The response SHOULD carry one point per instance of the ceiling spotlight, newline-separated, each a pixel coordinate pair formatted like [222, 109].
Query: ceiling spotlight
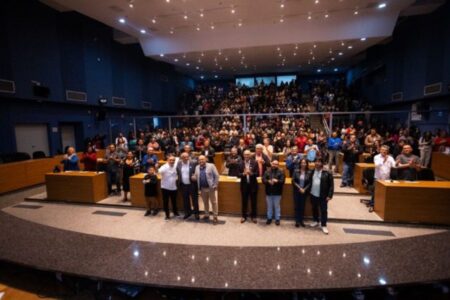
[240, 24]
[331, 51]
[282, 5]
[342, 44]
[168, 1]
[341, 53]
[226, 58]
[296, 47]
[153, 20]
[239, 51]
[309, 17]
[350, 47]
[332, 58]
[233, 11]
[215, 76]
[281, 20]
[316, 2]
[162, 55]
[143, 31]
[197, 67]
[175, 60]
[381, 5]
[278, 48]
[315, 46]
[131, 5]
[355, 12]
[185, 17]
[188, 64]
[319, 70]
[171, 31]
[363, 39]
[201, 14]
[326, 16]
[335, 69]
[212, 27]
[122, 20]
[295, 53]
[201, 77]
[198, 28]
[203, 54]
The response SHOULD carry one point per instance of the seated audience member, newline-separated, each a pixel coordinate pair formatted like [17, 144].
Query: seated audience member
[151, 192]
[407, 164]
[70, 160]
[273, 180]
[89, 159]
[233, 162]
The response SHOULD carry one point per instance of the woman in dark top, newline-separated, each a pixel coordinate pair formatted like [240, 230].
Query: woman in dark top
[300, 185]
[151, 191]
[129, 166]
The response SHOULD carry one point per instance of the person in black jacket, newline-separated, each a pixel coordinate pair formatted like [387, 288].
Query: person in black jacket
[301, 185]
[274, 180]
[151, 191]
[233, 163]
[248, 172]
[351, 150]
[189, 189]
[322, 188]
[208, 151]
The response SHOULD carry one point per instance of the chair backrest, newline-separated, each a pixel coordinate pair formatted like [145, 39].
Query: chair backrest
[426, 175]
[38, 154]
[368, 177]
[20, 156]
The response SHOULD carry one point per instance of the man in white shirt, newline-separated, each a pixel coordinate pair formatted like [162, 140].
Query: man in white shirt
[169, 178]
[383, 164]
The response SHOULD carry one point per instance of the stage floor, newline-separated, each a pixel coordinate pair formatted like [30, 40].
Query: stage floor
[120, 244]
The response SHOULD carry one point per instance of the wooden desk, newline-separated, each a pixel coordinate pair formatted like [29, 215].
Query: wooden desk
[440, 164]
[88, 187]
[362, 157]
[219, 160]
[358, 176]
[417, 202]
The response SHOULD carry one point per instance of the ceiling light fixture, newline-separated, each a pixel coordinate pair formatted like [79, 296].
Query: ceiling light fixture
[326, 16]
[143, 31]
[175, 60]
[355, 12]
[212, 27]
[381, 5]
[316, 2]
[341, 53]
[350, 47]
[185, 17]
[282, 5]
[122, 20]
[309, 17]
[162, 55]
[363, 39]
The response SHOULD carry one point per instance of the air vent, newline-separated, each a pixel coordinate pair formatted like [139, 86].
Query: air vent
[146, 105]
[76, 96]
[397, 96]
[7, 86]
[432, 89]
[118, 101]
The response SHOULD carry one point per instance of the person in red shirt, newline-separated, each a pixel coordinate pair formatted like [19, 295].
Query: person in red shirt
[89, 158]
[441, 142]
[301, 141]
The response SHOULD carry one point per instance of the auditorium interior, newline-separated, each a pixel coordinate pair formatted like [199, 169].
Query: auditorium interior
[225, 149]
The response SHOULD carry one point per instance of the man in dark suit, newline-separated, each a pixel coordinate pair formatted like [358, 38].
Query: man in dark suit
[248, 172]
[189, 189]
[233, 163]
[208, 151]
[322, 188]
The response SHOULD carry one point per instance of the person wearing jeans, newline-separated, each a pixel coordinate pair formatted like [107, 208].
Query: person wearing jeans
[322, 188]
[351, 151]
[169, 178]
[273, 179]
[334, 145]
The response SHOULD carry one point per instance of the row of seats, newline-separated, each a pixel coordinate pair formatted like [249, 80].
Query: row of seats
[20, 156]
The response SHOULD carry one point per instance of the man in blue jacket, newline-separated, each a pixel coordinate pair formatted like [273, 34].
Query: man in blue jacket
[334, 145]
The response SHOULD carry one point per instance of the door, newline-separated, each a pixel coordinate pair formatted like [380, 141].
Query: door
[67, 135]
[31, 138]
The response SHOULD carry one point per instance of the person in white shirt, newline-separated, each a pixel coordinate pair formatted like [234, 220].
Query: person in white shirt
[383, 164]
[169, 178]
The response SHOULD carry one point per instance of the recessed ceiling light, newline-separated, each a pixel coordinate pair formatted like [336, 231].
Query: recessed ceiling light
[171, 31]
[282, 5]
[281, 20]
[226, 58]
[363, 39]
[315, 46]
[162, 55]
[341, 53]
[215, 76]
[203, 54]
[326, 16]
[153, 20]
[335, 69]
[201, 15]
[240, 24]
[350, 47]
[295, 53]
[188, 64]
[342, 44]
[355, 12]
[198, 28]
[319, 70]
[309, 17]
[185, 17]
[143, 31]
[201, 77]
[382, 5]
[233, 10]
[278, 49]
[239, 51]
[131, 5]
[175, 59]
[212, 27]
[332, 58]
[296, 47]
[280, 55]
[316, 2]
[122, 20]
[168, 1]
[197, 67]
